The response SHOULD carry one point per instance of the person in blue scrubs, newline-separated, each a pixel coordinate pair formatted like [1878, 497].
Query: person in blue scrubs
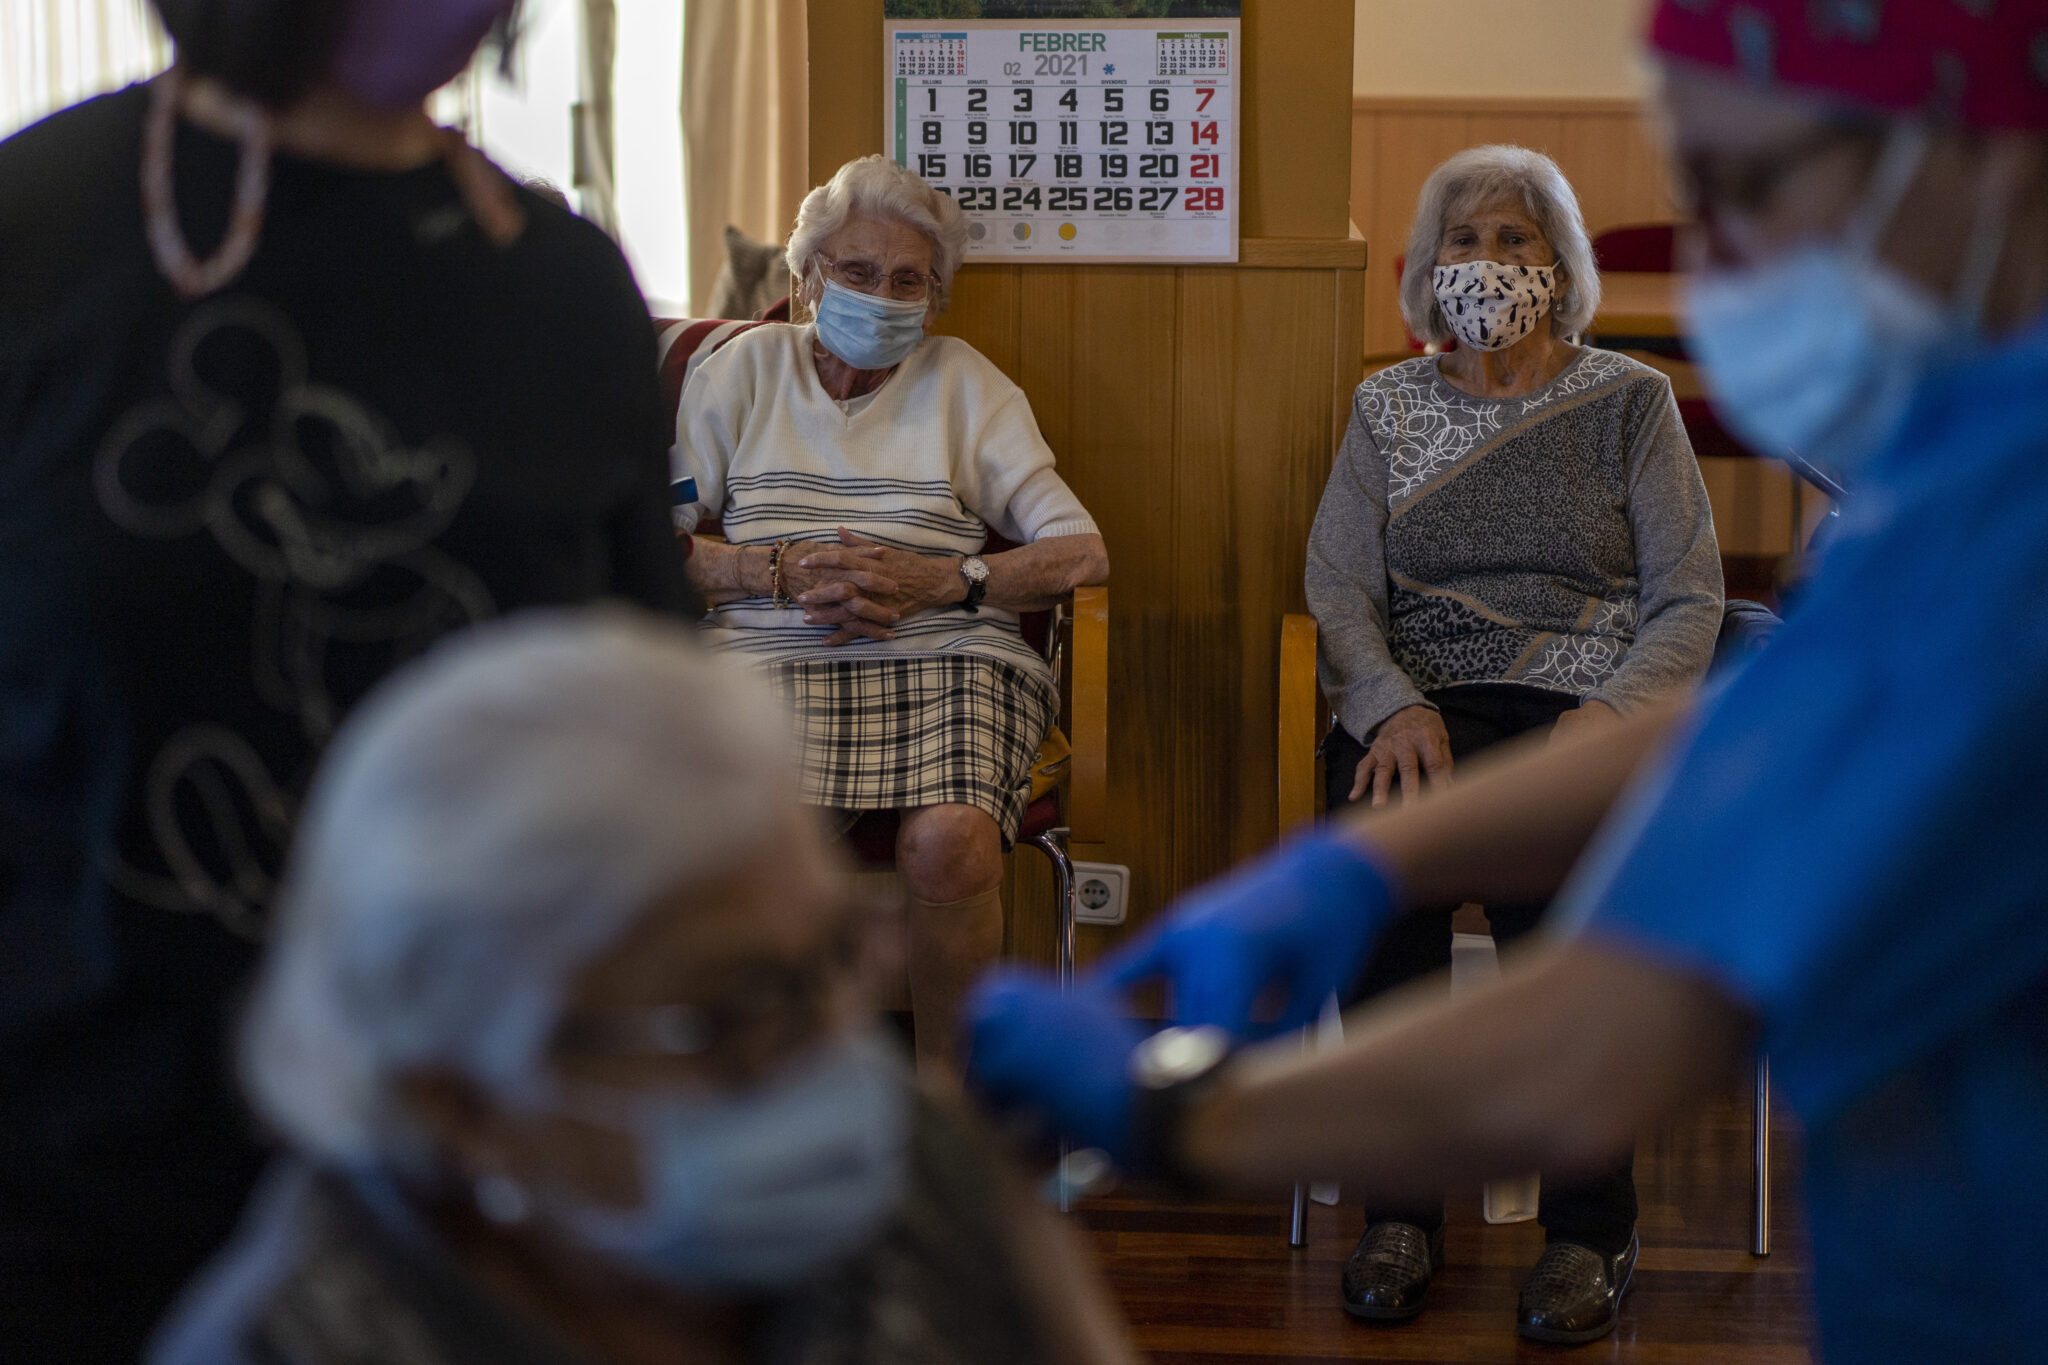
[1835, 855]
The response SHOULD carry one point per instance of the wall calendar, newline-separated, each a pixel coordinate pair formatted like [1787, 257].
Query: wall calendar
[1073, 139]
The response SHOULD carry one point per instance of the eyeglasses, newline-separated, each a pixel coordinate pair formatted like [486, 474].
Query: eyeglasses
[763, 1005]
[905, 286]
[1716, 185]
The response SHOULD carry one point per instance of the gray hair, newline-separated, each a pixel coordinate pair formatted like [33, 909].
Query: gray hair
[1469, 181]
[493, 819]
[876, 187]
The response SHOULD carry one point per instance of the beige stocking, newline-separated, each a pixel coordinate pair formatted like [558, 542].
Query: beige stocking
[951, 944]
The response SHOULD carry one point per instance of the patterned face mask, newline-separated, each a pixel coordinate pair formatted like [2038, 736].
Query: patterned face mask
[1491, 306]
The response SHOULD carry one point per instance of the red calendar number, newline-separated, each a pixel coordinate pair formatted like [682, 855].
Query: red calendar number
[1203, 132]
[1206, 93]
[1204, 199]
[1205, 166]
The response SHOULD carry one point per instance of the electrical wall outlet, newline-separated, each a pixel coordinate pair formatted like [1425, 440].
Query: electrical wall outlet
[1102, 889]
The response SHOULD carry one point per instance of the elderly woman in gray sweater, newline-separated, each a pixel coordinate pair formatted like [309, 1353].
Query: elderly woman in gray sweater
[1514, 538]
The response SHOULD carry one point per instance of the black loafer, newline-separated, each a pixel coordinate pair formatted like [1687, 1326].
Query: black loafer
[1574, 1293]
[1387, 1277]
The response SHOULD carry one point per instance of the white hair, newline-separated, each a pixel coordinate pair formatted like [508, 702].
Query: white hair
[494, 818]
[876, 187]
[1473, 179]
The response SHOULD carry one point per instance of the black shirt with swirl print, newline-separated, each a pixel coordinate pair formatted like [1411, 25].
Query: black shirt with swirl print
[221, 522]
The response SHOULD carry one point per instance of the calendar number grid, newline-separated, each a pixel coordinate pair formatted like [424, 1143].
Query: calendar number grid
[1074, 143]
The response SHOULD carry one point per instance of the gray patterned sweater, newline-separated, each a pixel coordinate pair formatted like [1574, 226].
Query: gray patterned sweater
[1561, 540]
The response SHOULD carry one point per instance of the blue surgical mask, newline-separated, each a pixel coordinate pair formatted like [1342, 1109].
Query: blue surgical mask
[866, 332]
[756, 1191]
[1815, 356]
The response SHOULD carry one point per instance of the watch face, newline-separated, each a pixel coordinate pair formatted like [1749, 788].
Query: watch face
[1178, 1054]
[974, 569]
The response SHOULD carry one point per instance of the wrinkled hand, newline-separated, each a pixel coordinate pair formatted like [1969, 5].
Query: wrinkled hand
[1301, 918]
[1592, 715]
[1063, 1060]
[864, 588]
[861, 619]
[799, 578]
[1410, 742]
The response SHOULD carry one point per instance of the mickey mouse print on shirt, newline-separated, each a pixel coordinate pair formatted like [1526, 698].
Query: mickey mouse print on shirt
[1492, 306]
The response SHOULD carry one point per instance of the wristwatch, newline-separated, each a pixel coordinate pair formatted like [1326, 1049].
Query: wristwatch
[975, 570]
[1169, 1070]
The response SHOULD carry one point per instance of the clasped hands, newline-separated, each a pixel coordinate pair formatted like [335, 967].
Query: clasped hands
[864, 588]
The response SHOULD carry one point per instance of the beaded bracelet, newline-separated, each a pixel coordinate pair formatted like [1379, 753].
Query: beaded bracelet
[776, 589]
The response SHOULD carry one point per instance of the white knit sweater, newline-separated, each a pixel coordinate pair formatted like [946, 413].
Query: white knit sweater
[944, 450]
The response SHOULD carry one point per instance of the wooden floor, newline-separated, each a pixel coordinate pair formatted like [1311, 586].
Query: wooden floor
[1218, 1282]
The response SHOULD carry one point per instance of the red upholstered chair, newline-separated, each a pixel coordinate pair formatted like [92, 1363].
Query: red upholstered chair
[1645, 247]
[1069, 789]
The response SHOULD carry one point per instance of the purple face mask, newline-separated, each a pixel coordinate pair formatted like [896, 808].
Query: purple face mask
[395, 53]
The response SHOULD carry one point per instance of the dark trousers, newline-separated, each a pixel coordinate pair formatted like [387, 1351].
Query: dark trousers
[1600, 1212]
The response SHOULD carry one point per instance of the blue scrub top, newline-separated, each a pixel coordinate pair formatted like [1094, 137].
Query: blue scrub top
[1854, 844]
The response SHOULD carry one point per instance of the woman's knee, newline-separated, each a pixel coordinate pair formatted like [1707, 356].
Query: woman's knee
[948, 852]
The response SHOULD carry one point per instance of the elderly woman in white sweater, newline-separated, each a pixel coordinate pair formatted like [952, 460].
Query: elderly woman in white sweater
[858, 465]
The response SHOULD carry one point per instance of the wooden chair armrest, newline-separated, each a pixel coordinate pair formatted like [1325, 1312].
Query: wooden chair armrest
[1088, 789]
[1299, 726]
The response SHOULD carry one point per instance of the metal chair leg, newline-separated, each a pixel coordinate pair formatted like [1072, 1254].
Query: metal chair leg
[1760, 1230]
[1297, 1218]
[1053, 844]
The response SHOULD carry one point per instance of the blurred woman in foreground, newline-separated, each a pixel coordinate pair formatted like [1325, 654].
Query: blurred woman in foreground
[580, 1064]
[292, 383]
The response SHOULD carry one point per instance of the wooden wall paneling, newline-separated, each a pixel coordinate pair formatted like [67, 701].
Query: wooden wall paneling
[1646, 169]
[1544, 132]
[1611, 165]
[1031, 916]
[1364, 193]
[1301, 253]
[1098, 360]
[1295, 157]
[1596, 141]
[1755, 504]
[845, 39]
[1289, 469]
[986, 311]
[1252, 451]
[1347, 351]
[1409, 146]
[1208, 679]
[1299, 730]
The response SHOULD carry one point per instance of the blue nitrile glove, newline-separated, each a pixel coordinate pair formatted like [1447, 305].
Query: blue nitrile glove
[1062, 1055]
[1301, 917]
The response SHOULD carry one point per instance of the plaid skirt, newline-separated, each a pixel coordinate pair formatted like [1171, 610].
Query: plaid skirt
[918, 730]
